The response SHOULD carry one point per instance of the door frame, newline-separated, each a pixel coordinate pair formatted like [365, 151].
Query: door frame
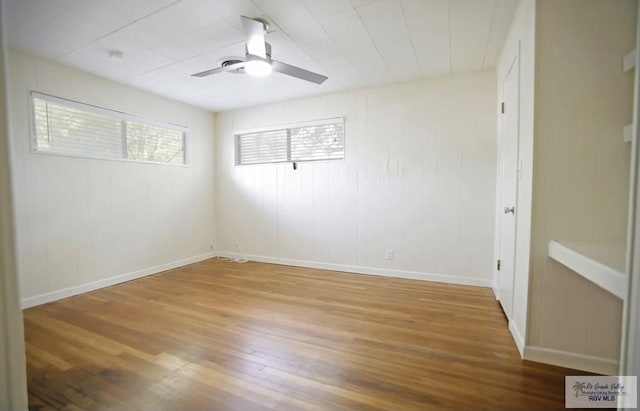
[13, 383]
[630, 349]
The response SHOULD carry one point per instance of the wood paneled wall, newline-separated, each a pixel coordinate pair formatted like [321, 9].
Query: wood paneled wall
[83, 221]
[418, 178]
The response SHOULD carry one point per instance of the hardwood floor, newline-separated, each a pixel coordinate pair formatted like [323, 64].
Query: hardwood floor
[225, 336]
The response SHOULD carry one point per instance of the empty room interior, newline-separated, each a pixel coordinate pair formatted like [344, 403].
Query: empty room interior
[316, 204]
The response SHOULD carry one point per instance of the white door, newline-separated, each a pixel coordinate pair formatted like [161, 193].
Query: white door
[509, 186]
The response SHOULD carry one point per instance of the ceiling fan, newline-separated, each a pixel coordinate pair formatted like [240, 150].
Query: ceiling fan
[257, 60]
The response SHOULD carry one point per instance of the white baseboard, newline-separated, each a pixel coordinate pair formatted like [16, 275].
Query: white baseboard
[517, 337]
[412, 275]
[566, 359]
[106, 282]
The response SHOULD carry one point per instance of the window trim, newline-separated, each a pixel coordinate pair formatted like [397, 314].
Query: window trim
[288, 127]
[120, 115]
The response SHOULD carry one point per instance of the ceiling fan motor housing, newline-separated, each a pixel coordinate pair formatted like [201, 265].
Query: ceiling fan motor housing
[231, 61]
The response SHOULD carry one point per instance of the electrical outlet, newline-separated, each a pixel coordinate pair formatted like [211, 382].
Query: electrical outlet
[391, 254]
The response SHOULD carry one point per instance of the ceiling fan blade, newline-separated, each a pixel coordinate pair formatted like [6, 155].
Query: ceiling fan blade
[254, 33]
[298, 72]
[221, 69]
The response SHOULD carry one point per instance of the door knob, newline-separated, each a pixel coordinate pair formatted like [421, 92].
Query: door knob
[511, 210]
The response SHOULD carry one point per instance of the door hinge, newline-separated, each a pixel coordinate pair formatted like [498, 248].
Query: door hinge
[502, 107]
[498, 265]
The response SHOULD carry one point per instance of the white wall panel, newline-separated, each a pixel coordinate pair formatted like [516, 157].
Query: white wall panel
[581, 167]
[418, 178]
[81, 221]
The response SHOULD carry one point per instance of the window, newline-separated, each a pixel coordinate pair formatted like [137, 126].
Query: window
[316, 140]
[67, 127]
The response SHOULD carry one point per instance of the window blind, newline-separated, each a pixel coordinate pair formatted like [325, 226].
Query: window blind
[262, 147]
[147, 142]
[71, 128]
[315, 140]
[67, 130]
[320, 142]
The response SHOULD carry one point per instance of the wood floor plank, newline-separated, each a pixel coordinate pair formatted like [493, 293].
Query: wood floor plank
[224, 336]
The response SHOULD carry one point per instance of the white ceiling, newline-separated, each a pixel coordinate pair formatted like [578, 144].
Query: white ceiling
[356, 43]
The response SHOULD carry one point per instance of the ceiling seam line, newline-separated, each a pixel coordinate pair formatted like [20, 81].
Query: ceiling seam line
[284, 32]
[119, 28]
[413, 47]
[346, 87]
[186, 59]
[373, 42]
[486, 47]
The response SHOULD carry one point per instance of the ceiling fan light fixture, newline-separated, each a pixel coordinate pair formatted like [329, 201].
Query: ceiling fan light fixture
[258, 67]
